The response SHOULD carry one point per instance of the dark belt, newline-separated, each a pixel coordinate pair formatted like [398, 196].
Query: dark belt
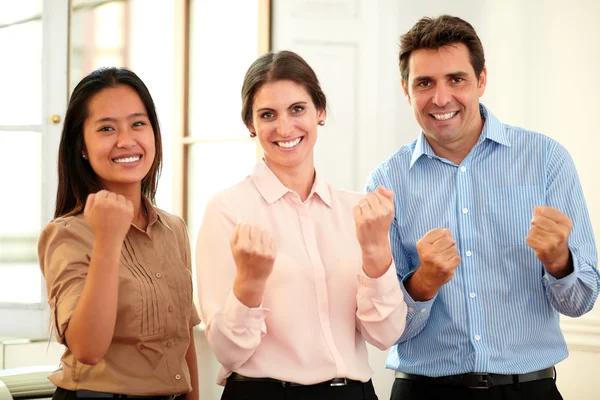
[89, 394]
[479, 380]
[235, 377]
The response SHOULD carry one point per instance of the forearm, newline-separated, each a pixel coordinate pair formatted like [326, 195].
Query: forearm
[235, 332]
[192, 363]
[92, 324]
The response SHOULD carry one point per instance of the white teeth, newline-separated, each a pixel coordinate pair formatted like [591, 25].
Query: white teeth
[289, 144]
[126, 160]
[443, 117]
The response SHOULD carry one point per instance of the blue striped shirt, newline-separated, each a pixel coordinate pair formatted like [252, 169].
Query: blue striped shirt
[500, 311]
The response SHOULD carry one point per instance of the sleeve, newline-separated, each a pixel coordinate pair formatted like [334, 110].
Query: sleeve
[417, 313]
[575, 294]
[187, 259]
[381, 310]
[64, 256]
[233, 330]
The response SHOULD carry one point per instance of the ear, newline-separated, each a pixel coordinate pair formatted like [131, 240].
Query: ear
[405, 90]
[251, 130]
[482, 81]
[321, 115]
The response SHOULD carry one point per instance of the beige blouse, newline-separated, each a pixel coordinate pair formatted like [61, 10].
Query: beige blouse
[155, 310]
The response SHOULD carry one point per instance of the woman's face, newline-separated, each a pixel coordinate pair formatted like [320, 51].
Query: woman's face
[118, 138]
[285, 119]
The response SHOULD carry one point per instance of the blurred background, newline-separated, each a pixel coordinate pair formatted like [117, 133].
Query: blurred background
[543, 59]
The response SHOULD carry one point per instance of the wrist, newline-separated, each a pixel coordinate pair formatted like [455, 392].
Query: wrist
[419, 288]
[249, 292]
[562, 267]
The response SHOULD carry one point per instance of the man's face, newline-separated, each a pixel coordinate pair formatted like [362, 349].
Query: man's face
[444, 93]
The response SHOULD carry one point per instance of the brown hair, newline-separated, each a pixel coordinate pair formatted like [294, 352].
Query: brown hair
[76, 178]
[284, 65]
[442, 31]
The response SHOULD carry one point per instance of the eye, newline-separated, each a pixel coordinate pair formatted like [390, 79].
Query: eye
[266, 115]
[424, 84]
[106, 129]
[139, 123]
[457, 80]
[297, 109]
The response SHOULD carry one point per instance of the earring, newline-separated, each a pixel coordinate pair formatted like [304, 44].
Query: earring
[321, 123]
[84, 156]
[252, 134]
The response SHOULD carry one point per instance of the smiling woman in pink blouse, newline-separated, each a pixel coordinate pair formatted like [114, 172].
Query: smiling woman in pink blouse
[293, 274]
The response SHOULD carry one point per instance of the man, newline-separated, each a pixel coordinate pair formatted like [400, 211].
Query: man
[492, 238]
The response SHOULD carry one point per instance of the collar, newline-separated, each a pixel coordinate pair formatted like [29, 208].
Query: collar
[271, 188]
[493, 130]
[154, 216]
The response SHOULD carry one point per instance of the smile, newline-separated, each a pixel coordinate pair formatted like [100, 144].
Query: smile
[290, 143]
[444, 117]
[127, 160]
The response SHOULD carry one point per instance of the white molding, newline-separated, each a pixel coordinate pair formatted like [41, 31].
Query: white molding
[582, 334]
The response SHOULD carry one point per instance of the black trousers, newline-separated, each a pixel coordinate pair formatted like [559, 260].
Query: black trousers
[235, 390]
[544, 389]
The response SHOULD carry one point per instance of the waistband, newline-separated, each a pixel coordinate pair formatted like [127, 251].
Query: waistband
[480, 380]
[235, 377]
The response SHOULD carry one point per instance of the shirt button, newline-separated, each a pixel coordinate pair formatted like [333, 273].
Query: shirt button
[178, 377]
[410, 309]
[472, 295]
[557, 285]
[429, 157]
[468, 253]
[463, 169]
[170, 308]
[465, 210]
[158, 275]
[169, 344]
[422, 310]
[477, 337]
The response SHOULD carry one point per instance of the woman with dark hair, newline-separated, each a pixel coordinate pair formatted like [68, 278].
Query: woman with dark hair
[117, 269]
[293, 274]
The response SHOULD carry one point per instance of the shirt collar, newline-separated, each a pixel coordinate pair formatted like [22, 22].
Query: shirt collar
[271, 188]
[492, 129]
[153, 216]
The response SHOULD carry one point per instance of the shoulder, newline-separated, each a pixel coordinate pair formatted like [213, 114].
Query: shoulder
[397, 162]
[70, 227]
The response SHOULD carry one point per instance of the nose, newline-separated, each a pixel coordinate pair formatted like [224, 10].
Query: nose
[285, 127]
[125, 139]
[442, 95]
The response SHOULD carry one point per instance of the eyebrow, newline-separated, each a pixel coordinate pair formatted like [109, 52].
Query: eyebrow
[292, 105]
[131, 116]
[459, 74]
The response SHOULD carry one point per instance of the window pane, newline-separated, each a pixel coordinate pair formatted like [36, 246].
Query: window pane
[223, 44]
[21, 72]
[20, 276]
[214, 167]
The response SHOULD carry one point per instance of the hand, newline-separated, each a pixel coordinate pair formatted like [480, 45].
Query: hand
[439, 259]
[549, 238]
[373, 216]
[254, 254]
[109, 214]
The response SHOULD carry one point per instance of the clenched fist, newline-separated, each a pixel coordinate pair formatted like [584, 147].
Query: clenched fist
[549, 238]
[254, 254]
[373, 216]
[109, 214]
[439, 259]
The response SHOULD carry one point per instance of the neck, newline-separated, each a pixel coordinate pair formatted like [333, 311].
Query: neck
[132, 193]
[299, 179]
[457, 151]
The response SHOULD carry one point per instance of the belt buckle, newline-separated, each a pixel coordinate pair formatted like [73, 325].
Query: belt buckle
[483, 381]
[338, 382]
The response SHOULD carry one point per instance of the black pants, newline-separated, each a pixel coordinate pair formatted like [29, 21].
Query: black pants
[235, 390]
[64, 394]
[544, 389]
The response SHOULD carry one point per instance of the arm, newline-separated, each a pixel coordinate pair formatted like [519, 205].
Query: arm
[233, 329]
[190, 359]
[576, 291]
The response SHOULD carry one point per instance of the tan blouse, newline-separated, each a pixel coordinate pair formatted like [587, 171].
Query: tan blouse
[155, 310]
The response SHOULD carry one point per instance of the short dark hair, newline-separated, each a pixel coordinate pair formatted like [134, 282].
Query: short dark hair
[444, 30]
[76, 178]
[284, 65]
